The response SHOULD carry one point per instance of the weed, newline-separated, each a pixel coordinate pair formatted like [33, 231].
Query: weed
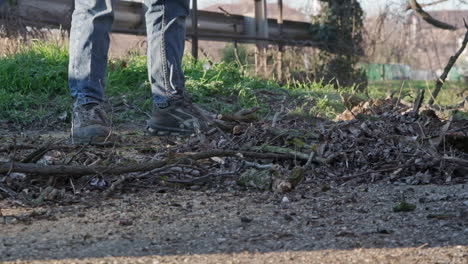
[450, 94]
[404, 206]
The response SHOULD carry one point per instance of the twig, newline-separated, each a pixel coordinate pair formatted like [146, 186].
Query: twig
[8, 191]
[203, 178]
[418, 101]
[17, 146]
[282, 150]
[459, 161]
[257, 165]
[276, 116]
[247, 111]
[440, 82]
[357, 175]
[309, 161]
[237, 118]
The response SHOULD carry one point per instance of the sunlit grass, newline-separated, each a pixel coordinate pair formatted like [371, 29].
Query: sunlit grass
[34, 87]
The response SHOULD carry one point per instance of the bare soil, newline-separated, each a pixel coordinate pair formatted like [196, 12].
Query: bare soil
[391, 196]
[339, 224]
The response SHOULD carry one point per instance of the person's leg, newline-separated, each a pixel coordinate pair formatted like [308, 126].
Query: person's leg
[89, 45]
[165, 25]
[173, 112]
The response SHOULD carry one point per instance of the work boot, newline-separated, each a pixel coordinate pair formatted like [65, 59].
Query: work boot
[89, 124]
[179, 117]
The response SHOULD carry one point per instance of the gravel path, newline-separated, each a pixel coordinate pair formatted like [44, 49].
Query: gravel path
[312, 225]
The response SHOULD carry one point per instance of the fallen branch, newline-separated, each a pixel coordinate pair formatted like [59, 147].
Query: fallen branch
[459, 161]
[202, 179]
[440, 82]
[361, 174]
[247, 111]
[297, 154]
[73, 170]
[8, 191]
[237, 118]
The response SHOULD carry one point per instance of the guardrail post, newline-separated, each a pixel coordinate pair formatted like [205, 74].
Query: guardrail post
[195, 30]
[261, 22]
[279, 59]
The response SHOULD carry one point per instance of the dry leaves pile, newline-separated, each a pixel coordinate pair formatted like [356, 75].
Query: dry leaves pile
[379, 141]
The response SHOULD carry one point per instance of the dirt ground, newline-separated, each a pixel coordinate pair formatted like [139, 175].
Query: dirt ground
[159, 219]
[340, 224]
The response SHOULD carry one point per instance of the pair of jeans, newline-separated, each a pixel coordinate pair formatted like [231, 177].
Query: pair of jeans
[89, 45]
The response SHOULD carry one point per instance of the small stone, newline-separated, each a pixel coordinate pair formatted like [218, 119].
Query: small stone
[288, 217]
[384, 231]
[246, 219]
[195, 187]
[285, 199]
[125, 222]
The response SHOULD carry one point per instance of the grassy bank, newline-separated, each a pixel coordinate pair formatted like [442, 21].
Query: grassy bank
[33, 88]
[450, 94]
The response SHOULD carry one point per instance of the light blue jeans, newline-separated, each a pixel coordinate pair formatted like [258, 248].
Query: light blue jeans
[89, 45]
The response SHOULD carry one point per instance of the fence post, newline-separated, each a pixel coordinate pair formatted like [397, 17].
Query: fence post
[279, 65]
[195, 30]
[261, 24]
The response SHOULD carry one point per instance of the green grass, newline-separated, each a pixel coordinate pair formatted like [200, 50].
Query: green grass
[33, 87]
[33, 84]
[449, 95]
[30, 81]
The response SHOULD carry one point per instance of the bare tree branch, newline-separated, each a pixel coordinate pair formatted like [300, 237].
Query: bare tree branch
[81, 170]
[428, 18]
[440, 81]
[408, 7]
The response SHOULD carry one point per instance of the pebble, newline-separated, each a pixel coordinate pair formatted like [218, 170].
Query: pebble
[125, 222]
[288, 217]
[245, 219]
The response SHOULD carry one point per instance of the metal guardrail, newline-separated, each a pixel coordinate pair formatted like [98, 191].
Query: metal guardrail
[129, 19]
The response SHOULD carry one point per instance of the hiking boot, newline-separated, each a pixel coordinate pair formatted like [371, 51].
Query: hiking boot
[89, 124]
[179, 117]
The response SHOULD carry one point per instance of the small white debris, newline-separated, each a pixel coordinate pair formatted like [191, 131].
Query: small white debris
[218, 160]
[285, 199]
[17, 176]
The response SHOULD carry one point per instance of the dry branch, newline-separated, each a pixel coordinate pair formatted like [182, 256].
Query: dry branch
[74, 170]
[441, 80]
[413, 4]
[408, 7]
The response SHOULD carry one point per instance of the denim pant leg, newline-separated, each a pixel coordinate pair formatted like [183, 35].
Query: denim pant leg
[165, 25]
[89, 45]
